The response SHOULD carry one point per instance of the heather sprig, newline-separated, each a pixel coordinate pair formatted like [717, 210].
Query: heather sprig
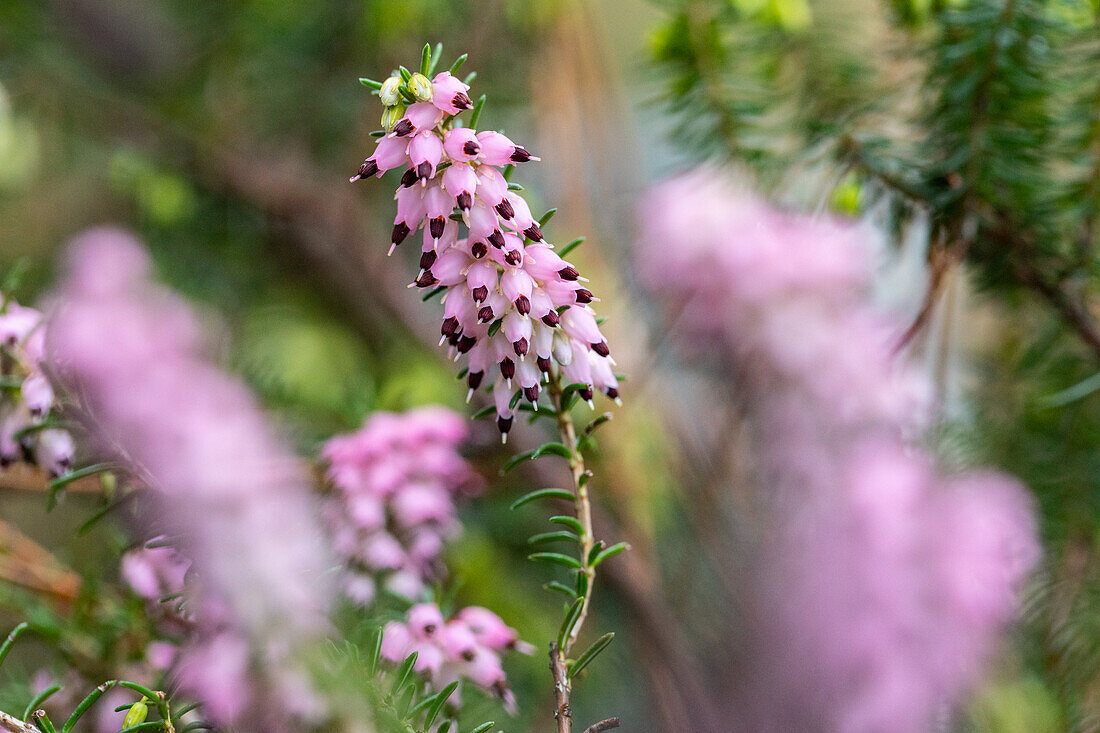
[28, 424]
[518, 312]
[885, 581]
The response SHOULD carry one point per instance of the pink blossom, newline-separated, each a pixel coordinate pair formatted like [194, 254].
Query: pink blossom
[395, 485]
[449, 649]
[155, 572]
[884, 581]
[503, 303]
[24, 411]
[449, 94]
[230, 490]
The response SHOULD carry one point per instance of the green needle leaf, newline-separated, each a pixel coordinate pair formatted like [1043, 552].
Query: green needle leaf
[374, 651]
[436, 55]
[158, 725]
[458, 64]
[8, 642]
[589, 654]
[63, 481]
[597, 423]
[483, 727]
[426, 59]
[370, 83]
[560, 588]
[85, 704]
[543, 494]
[476, 114]
[570, 621]
[515, 461]
[403, 672]
[559, 536]
[145, 691]
[556, 558]
[572, 522]
[484, 412]
[38, 700]
[45, 723]
[571, 246]
[547, 217]
[609, 552]
[438, 703]
[552, 448]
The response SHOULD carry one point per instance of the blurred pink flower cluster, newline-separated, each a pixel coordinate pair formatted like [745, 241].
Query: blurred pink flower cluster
[26, 396]
[395, 483]
[883, 583]
[512, 305]
[469, 645]
[225, 487]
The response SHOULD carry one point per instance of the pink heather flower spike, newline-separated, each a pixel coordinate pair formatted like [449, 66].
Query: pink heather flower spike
[405, 470]
[231, 491]
[508, 295]
[884, 582]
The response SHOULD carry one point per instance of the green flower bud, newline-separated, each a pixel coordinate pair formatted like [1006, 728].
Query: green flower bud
[390, 93]
[391, 115]
[420, 87]
[138, 711]
[846, 197]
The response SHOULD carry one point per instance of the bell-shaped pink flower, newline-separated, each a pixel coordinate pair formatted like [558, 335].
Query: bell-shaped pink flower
[460, 181]
[461, 144]
[425, 152]
[449, 93]
[390, 152]
[425, 620]
[496, 149]
[418, 117]
[521, 219]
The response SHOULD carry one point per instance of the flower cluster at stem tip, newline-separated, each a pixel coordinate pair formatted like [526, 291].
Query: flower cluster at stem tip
[513, 306]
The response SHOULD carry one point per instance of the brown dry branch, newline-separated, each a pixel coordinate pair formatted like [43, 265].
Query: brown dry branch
[25, 563]
[10, 724]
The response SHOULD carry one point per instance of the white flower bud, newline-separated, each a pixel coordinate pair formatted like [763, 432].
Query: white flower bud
[390, 93]
[420, 87]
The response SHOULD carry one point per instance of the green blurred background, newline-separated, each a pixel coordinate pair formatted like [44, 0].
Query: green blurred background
[223, 133]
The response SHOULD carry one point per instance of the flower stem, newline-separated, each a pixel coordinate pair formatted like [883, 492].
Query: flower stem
[583, 504]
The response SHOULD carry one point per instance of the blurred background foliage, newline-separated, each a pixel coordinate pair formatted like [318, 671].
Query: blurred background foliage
[223, 133]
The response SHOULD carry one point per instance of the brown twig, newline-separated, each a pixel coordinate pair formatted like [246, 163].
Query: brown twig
[25, 563]
[9, 724]
[563, 714]
[602, 726]
[941, 260]
[1075, 314]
